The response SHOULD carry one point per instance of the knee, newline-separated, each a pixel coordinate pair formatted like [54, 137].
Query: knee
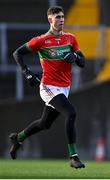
[71, 114]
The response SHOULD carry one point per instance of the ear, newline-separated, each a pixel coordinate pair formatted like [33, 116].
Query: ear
[50, 19]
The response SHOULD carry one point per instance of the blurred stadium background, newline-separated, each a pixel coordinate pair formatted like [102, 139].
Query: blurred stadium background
[89, 20]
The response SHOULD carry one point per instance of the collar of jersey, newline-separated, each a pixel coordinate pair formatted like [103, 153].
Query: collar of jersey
[53, 33]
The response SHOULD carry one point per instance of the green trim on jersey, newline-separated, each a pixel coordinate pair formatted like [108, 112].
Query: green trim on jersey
[54, 52]
[77, 52]
[53, 33]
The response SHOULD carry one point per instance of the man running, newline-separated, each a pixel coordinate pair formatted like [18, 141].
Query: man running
[58, 51]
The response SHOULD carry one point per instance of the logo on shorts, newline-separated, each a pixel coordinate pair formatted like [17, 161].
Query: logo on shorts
[58, 89]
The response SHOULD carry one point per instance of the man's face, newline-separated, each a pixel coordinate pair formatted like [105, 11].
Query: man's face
[57, 21]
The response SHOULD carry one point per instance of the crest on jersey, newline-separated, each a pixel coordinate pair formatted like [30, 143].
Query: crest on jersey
[53, 52]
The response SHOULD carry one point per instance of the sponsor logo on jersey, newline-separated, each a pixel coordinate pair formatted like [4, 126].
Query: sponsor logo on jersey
[60, 52]
[54, 52]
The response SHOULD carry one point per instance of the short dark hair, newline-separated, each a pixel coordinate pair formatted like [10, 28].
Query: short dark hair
[54, 10]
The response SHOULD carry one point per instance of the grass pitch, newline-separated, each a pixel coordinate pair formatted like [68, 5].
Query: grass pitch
[52, 169]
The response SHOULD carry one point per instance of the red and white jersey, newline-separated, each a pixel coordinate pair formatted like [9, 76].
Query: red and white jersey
[50, 48]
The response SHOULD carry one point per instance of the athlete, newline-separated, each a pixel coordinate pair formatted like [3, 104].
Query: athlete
[58, 51]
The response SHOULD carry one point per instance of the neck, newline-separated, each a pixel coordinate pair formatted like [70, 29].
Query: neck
[56, 32]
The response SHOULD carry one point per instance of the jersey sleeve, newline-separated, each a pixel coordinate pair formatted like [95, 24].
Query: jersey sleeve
[75, 44]
[34, 43]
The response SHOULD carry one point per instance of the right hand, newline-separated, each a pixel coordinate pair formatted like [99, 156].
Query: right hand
[31, 77]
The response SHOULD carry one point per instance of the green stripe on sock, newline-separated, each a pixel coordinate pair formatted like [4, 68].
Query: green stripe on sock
[21, 136]
[72, 149]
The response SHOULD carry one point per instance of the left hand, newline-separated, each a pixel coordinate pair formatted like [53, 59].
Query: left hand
[70, 57]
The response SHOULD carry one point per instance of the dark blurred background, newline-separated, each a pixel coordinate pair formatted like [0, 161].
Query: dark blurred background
[89, 20]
